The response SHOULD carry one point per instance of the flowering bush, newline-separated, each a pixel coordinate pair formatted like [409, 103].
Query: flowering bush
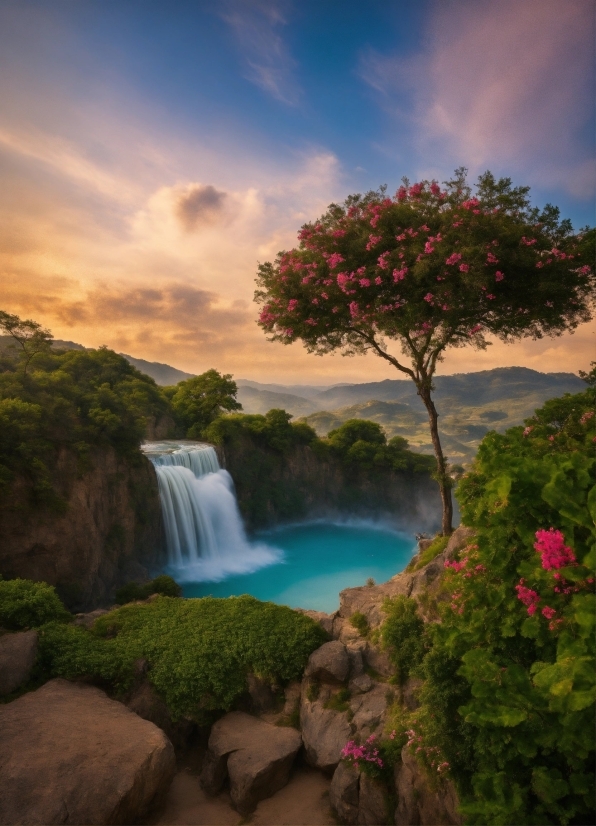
[376, 756]
[508, 701]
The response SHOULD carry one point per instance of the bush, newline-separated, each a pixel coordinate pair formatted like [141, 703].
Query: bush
[163, 585]
[510, 683]
[403, 634]
[360, 623]
[198, 651]
[26, 604]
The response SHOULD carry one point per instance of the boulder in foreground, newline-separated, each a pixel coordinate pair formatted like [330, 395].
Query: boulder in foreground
[17, 657]
[256, 755]
[69, 754]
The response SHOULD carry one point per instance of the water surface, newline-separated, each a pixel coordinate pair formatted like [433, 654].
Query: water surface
[318, 561]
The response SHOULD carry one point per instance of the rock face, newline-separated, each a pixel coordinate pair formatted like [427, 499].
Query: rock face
[417, 802]
[109, 532]
[357, 798]
[255, 755]
[329, 663]
[17, 657]
[325, 732]
[301, 483]
[69, 754]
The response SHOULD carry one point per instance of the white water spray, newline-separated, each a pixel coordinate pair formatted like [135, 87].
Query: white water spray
[205, 537]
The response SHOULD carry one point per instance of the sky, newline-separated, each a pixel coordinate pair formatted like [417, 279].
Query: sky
[151, 154]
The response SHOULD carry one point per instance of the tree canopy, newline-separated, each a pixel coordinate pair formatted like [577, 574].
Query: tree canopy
[430, 268]
[200, 400]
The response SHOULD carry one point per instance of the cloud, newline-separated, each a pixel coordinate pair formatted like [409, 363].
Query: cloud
[200, 205]
[268, 62]
[507, 84]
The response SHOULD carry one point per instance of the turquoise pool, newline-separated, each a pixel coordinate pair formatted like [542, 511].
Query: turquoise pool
[319, 560]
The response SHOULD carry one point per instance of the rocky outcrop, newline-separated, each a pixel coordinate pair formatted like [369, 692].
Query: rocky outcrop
[274, 487]
[256, 756]
[17, 657]
[325, 732]
[358, 798]
[329, 663]
[109, 533]
[69, 754]
[418, 802]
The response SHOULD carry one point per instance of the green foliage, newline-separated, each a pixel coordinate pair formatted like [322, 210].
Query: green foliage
[163, 585]
[29, 338]
[26, 604]
[340, 701]
[436, 547]
[69, 399]
[362, 444]
[199, 401]
[360, 623]
[199, 651]
[273, 430]
[403, 634]
[510, 689]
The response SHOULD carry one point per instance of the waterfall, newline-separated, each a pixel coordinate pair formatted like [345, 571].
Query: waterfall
[205, 537]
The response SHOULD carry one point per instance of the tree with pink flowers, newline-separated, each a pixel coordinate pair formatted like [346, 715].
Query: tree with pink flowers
[430, 269]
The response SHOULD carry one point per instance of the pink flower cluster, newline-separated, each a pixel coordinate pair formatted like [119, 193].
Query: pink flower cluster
[454, 258]
[551, 546]
[528, 430]
[586, 417]
[527, 241]
[529, 597]
[367, 752]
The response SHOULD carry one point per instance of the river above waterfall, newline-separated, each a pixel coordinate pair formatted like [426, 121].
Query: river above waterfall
[319, 560]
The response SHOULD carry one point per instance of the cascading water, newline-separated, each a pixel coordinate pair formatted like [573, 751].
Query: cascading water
[205, 536]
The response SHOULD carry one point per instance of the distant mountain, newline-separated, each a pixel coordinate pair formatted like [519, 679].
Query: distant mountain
[163, 374]
[260, 401]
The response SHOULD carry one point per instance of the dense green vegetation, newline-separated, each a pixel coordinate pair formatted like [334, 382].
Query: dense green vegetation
[200, 400]
[198, 651]
[509, 679]
[25, 604]
[75, 399]
[403, 635]
[163, 585]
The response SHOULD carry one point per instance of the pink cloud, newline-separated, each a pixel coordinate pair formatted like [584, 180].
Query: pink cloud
[503, 84]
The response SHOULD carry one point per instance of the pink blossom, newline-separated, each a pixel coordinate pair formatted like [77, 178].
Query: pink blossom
[428, 248]
[490, 296]
[338, 233]
[315, 301]
[475, 329]
[527, 241]
[310, 321]
[401, 193]
[292, 304]
[435, 188]
[334, 259]
[585, 270]
[539, 264]
[528, 430]
[382, 260]
[429, 297]
[529, 597]
[471, 203]
[551, 546]
[354, 309]
[464, 267]
[373, 240]
[343, 279]
[499, 276]
[399, 275]
[492, 259]
[416, 190]
[325, 296]
[364, 282]
[586, 417]
[378, 280]
[548, 612]
[289, 332]
[401, 237]
[454, 258]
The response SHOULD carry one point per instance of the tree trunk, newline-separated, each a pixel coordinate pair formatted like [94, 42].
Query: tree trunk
[442, 478]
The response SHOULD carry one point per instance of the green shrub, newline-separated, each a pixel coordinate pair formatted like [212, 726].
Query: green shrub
[163, 585]
[340, 701]
[26, 604]
[403, 634]
[360, 623]
[436, 547]
[199, 651]
[509, 691]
